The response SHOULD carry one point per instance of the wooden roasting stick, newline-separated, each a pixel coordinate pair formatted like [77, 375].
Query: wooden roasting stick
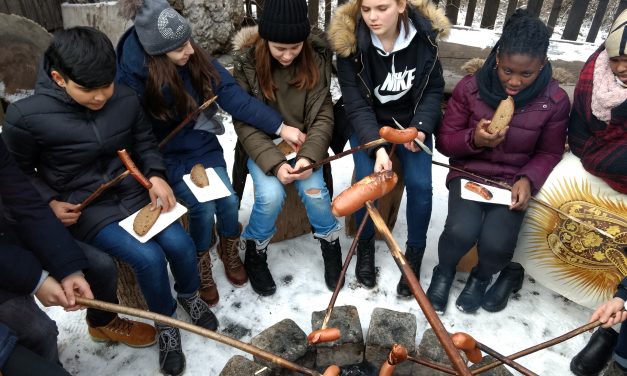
[541, 346]
[325, 334]
[540, 202]
[387, 134]
[131, 169]
[92, 303]
[365, 191]
[191, 116]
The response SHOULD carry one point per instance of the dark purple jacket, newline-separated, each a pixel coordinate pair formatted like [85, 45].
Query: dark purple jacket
[533, 146]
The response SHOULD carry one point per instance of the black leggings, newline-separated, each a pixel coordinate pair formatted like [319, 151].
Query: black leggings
[23, 362]
[494, 228]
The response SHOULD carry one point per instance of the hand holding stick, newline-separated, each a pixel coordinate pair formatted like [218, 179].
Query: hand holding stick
[387, 134]
[266, 355]
[131, 169]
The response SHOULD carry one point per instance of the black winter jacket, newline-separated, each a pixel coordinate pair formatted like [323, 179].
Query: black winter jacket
[70, 150]
[31, 237]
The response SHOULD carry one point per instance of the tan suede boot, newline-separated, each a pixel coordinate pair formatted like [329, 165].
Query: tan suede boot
[208, 290]
[228, 251]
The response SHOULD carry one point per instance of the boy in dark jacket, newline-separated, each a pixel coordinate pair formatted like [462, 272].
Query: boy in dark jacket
[39, 257]
[66, 138]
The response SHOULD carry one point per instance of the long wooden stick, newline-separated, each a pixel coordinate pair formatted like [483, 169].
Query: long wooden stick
[266, 355]
[541, 346]
[426, 307]
[515, 365]
[188, 118]
[537, 200]
[367, 145]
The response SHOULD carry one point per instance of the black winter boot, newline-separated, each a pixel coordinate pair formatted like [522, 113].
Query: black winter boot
[256, 266]
[440, 288]
[510, 281]
[591, 360]
[332, 256]
[171, 357]
[469, 300]
[364, 269]
[199, 312]
[414, 259]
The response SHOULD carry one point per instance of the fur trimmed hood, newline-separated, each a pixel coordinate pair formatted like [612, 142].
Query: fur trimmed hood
[246, 37]
[561, 75]
[127, 9]
[341, 32]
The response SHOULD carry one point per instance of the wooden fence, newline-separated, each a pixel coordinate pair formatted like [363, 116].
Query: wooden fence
[47, 13]
[576, 13]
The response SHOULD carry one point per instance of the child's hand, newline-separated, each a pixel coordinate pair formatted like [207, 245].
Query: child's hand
[412, 146]
[484, 139]
[75, 285]
[302, 162]
[284, 174]
[63, 211]
[605, 311]
[50, 293]
[293, 136]
[161, 189]
[521, 194]
[383, 161]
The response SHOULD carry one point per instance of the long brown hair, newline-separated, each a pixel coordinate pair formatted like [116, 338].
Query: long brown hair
[307, 73]
[162, 74]
[404, 17]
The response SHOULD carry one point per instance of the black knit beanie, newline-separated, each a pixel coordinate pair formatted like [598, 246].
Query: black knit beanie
[284, 21]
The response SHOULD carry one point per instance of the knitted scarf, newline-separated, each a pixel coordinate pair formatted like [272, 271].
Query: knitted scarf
[492, 92]
[606, 92]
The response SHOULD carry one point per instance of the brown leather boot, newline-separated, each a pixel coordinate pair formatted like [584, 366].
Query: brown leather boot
[228, 251]
[208, 290]
[129, 332]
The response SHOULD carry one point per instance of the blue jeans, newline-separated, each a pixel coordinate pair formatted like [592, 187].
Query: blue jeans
[149, 261]
[269, 197]
[201, 214]
[417, 178]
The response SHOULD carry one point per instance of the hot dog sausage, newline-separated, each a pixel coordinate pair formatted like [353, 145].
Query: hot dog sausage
[398, 136]
[478, 189]
[332, 370]
[387, 369]
[130, 165]
[398, 354]
[371, 187]
[465, 342]
[324, 335]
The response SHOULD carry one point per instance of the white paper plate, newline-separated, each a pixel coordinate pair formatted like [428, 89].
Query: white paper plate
[215, 190]
[288, 156]
[164, 220]
[499, 195]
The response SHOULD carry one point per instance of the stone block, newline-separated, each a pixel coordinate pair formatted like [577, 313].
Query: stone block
[287, 340]
[498, 371]
[386, 328]
[349, 349]
[240, 366]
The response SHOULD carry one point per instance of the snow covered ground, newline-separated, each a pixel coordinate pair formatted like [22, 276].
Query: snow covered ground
[533, 316]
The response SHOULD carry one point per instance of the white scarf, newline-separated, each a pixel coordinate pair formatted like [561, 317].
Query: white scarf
[606, 92]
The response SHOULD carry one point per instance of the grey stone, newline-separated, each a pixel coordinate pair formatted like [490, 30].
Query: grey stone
[240, 366]
[349, 349]
[431, 349]
[386, 328]
[288, 341]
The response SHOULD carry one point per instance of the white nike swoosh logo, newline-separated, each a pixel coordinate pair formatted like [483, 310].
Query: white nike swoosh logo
[388, 98]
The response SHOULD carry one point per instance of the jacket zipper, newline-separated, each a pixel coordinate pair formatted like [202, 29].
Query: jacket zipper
[437, 53]
[361, 60]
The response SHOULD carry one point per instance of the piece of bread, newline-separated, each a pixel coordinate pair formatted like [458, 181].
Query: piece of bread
[502, 116]
[285, 148]
[198, 175]
[145, 219]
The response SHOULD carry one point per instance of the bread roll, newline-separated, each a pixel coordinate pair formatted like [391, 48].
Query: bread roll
[145, 219]
[198, 175]
[502, 116]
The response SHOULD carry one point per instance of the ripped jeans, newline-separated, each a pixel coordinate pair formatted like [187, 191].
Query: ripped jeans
[269, 198]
